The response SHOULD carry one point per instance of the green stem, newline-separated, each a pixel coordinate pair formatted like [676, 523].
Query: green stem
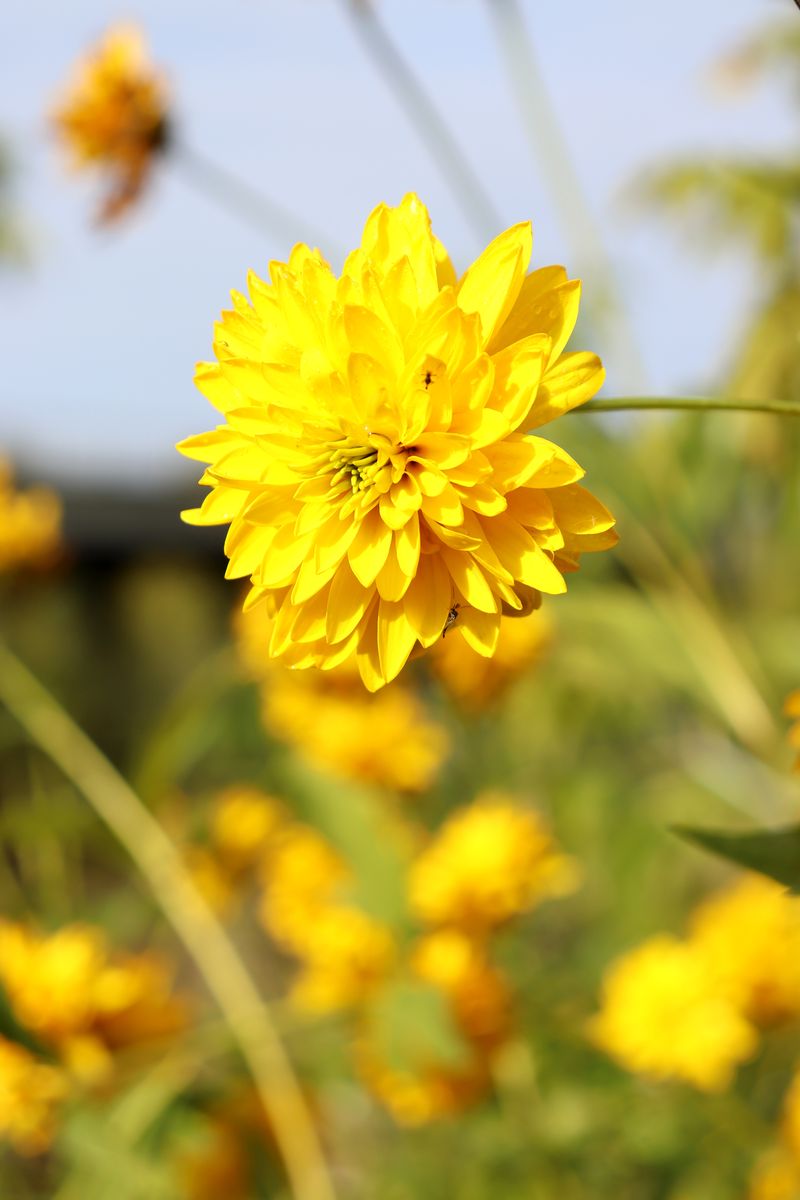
[785, 408]
[464, 183]
[226, 977]
[553, 162]
[248, 203]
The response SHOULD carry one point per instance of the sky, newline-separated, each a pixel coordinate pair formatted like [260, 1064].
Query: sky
[102, 328]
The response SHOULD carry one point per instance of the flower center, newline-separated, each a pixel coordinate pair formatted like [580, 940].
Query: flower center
[357, 462]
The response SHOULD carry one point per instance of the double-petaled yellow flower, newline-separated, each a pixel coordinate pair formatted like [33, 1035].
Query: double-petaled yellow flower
[114, 115]
[376, 464]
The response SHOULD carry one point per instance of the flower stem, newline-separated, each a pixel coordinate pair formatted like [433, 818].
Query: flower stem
[215, 956]
[552, 161]
[786, 408]
[252, 206]
[429, 123]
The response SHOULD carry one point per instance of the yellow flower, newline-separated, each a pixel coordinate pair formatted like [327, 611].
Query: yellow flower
[302, 876]
[749, 935]
[488, 863]
[388, 740]
[114, 115]
[776, 1177]
[790, 1122]
[479, 994]
[243, 822]
[475, 681]
[416, 1098]
[71, 993]
[663, 1015]
[30, 524]
[30, 1094]
[375, 464]
[792, 709]
[345, 956]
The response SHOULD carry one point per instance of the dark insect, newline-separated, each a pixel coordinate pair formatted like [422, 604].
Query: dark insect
[428, 378]
[451, 618]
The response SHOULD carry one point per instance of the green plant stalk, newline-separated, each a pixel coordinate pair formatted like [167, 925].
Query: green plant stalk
[553, 163]
[226, 977]
[783, 408]
[237, 196]
[464, 183]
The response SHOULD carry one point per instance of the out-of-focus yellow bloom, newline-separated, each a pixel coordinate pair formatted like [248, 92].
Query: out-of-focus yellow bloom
[488, 863]
[302, 876]
[345, 956]
[243, 822]
[30, 1095]
[388, 740]
[480, 1002]
[776, 1177]
[790, 1122]
[376, 464]
[30, 524]
[113, 116]
[792, 709]
[749, 934]
[71, 993]
[479, 994]
[344, 952]
[664, 1015]
[475, 681]
[417, 1098]
[214, 883]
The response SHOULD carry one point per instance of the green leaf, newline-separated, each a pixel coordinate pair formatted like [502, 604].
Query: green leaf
[412, 1029]
[772, 852]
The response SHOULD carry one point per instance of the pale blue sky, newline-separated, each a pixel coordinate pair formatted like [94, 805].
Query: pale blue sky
[101, 335]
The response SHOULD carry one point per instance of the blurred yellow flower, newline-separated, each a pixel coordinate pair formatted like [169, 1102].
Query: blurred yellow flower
[74, 995]
[30, 1094]
[216, 885]
[302, 876]
[749, 935]
[417, 1098]
[479, 994]
[30, 524]
[776, 1177]
[243, 822]
[345, 956]
[375, 464]
[388, 739]
[475, 681]
[790, 1121]
[792, 709]
[114, 116]
[489, 862]
[663, 1015]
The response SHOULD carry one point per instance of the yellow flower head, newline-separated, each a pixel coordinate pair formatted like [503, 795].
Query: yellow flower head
[302, 876]
[388, 740]
[489, 862]
[243, 822]
[114, 115]
[776, 1176]
[30, 1094]
[70, 992]
[665, 1016]
[375, 464]
[479, 994]
[792, 709]
[790, 1123]
[749, 935]
[30, 524]
[345, 956]
[475, 681]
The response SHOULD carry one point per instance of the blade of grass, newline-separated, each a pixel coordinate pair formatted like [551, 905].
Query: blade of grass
[113, 800]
